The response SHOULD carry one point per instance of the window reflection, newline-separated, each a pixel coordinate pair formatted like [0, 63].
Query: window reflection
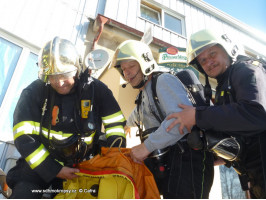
[150, 14]
[172, 23]
[30, 73]
[9, 55]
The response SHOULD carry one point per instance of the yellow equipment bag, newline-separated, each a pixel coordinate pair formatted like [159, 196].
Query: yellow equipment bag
[111, 175]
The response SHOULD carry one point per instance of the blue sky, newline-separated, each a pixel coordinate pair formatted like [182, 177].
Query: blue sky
[250, 12]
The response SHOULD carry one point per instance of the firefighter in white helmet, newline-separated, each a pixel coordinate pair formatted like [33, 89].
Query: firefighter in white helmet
[58, 120]
[239, 112]
[179, 171]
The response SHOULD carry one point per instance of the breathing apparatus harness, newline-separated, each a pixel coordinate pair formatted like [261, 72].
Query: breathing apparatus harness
[222, 145]
[158, 159]
[72, 149]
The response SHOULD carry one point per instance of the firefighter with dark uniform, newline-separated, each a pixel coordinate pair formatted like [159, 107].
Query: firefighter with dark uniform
[57, 122]
[237, 121]
[179, 171]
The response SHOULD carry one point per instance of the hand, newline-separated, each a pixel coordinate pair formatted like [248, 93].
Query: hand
[67, 173]
[127, 131]
[139, 153]
[186, 118]
[219, 161]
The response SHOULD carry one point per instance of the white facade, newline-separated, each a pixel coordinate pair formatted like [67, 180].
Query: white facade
[195, 15]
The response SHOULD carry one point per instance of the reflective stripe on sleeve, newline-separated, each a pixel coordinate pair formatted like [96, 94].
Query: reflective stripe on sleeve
[37, 157]
[117, 117]
[31, 127]
[116, 130]
[26, 127]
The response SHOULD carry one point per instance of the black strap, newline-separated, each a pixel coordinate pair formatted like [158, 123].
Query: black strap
[44, 108]
[138, 102]
[50, 109]
[207, 90]
[155, 98]
[229, 87]
[49, 93]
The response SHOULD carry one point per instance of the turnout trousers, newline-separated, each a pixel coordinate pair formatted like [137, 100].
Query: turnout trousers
[27, 184]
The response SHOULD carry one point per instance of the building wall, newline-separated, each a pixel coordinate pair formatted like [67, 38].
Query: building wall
[197, 14]
[37, 21]
[125, 96]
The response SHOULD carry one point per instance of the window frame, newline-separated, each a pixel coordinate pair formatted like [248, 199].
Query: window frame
[156, 11]
[162, 10]
[27, 49]
[174, 16]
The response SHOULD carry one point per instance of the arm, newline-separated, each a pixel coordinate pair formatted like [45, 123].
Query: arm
[186, 118]
[170, 92]
[26, 134]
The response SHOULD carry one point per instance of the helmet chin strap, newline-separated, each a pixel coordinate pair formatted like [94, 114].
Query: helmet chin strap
[142, 82]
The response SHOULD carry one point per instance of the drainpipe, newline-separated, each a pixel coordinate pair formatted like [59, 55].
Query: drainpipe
[102, 20]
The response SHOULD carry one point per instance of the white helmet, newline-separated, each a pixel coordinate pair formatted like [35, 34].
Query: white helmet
[135, 50]
[58, 56]
[205, 39]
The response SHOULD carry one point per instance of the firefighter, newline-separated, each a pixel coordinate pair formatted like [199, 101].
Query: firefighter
[57, 121]
[239, 110]
[179, 171]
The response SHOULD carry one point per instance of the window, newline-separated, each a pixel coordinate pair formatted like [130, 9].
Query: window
[162, 17]
[29, 73]
[9, 55]
[172, 23]
[17, 70]
[150, 14]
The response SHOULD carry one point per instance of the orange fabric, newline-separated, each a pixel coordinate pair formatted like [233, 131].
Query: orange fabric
[55, 115]
[5, 188]
[119, 160]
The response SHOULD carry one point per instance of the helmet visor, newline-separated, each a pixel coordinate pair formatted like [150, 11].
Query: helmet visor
[194, 54]
[62, 77]
[123, 57]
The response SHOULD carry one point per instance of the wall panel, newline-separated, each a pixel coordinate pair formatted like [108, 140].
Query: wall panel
[133, 11]
[37, 21]
[111, 9]
[180, 7]
[123, 8]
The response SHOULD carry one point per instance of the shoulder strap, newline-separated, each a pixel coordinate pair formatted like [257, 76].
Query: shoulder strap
[155, 97]
[138, 100]
[230, 90]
